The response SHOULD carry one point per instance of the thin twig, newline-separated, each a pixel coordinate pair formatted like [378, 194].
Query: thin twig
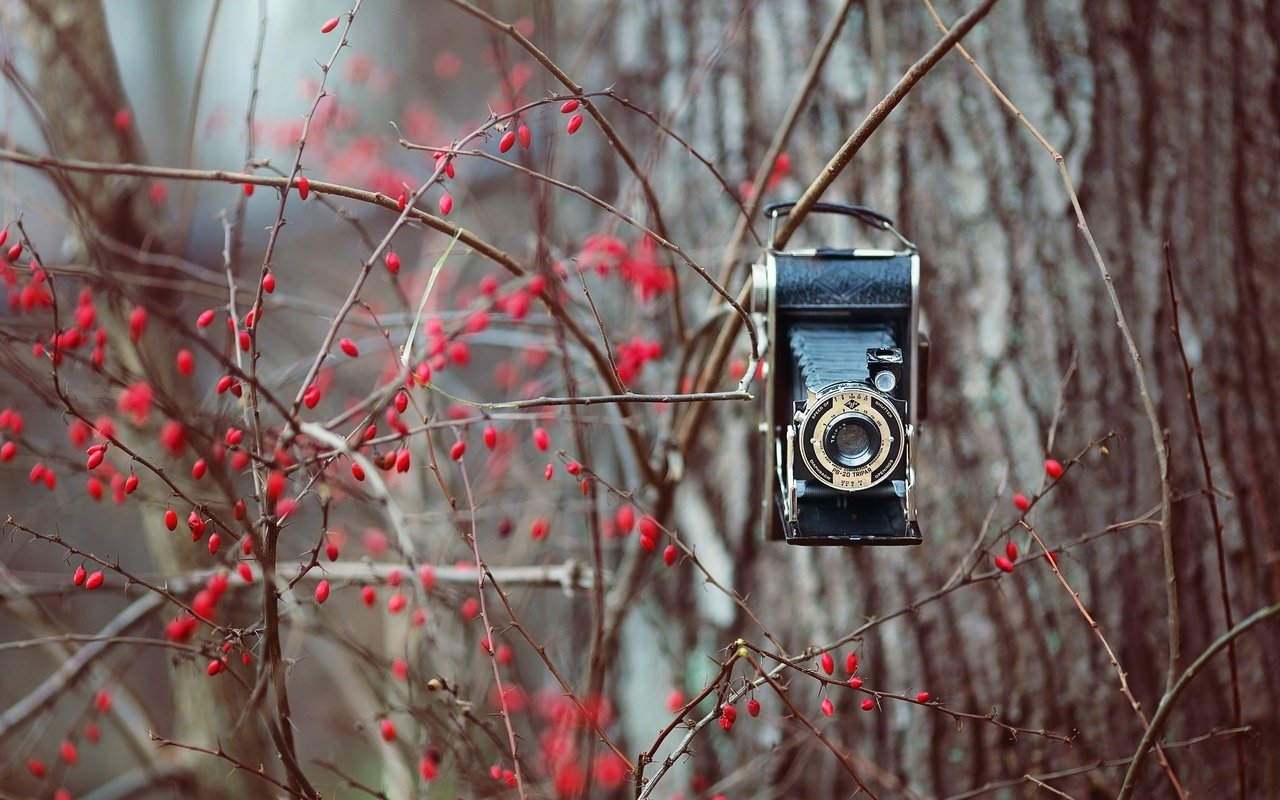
[1111, 657]
[874, 119]
[1211, 494]
[1171, 697]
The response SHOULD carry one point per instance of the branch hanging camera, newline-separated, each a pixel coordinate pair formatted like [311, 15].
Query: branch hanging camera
[844, 394]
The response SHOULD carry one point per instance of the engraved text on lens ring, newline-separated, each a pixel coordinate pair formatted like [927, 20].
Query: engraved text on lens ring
[887, 421]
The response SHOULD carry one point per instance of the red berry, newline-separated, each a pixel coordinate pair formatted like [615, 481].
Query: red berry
[569, 107]
[275, 485]
[868, 704]
[130, 484]
[396, 603]
[186, 361]
[828, 707]
[215, 666]
[349, 347]
[624, 519]
[102, 701]
[1021, 502]
[393, 263]
[68, 751]
[402, 201]
[80, 575]
[215, 541]
[1011, 550]
[458, 450]
[539, 529]
[446, 204]
[828, 663]
[304, 188]
[246, 572]
[470, 608]
[855, 682]
[368, 596]
[1053, 469]
[199, 468]
[388, 729]
[36, 767]
[648, 543]
[402, 402]
[729, 712]
[575, 122]
[269, 283]
[322, 591]
[357, 471]
[206, 318]
[508, 141]
[123, 119]
[851, 663]
[490, 437]
[331, 551]
[196, 524]
[329, 26]
[922, 697]
[1004, 564]
[573, 468]
[137, 323]
[171, 519]
[753, 707]
[1052, 556]
[669, 555]
[541, 439]
[649, 527]
[7, 451]
[248, 189]
[525, 136]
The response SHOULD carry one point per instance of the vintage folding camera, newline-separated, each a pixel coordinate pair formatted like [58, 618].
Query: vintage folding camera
[844, 392]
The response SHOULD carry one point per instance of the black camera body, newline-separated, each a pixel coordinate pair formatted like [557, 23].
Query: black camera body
[846, 367]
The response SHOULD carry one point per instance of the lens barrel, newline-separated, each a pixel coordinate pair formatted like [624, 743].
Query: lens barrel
[851, 440]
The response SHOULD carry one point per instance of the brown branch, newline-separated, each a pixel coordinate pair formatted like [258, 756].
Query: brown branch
[239, 765]
[795, 712]
[1211, 494]
[1111, 656]
[1171, 697]
[615, 141]
[874, 119]
[800, 100]
[1096, 765]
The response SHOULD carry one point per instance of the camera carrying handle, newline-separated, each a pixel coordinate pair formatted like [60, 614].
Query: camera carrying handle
[867, 216]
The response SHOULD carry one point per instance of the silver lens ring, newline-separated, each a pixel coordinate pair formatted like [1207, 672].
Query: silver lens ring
[851, 437]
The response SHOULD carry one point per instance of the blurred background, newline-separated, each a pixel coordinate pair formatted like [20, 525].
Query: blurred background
[1167, 119]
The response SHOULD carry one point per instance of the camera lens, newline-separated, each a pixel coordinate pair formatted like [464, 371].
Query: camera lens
[851, 440]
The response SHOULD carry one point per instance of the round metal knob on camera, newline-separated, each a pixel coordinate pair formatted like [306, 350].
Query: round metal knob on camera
[762, 278]
[885, 381]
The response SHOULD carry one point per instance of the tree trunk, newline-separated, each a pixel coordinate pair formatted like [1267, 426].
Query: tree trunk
[1168, 116]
